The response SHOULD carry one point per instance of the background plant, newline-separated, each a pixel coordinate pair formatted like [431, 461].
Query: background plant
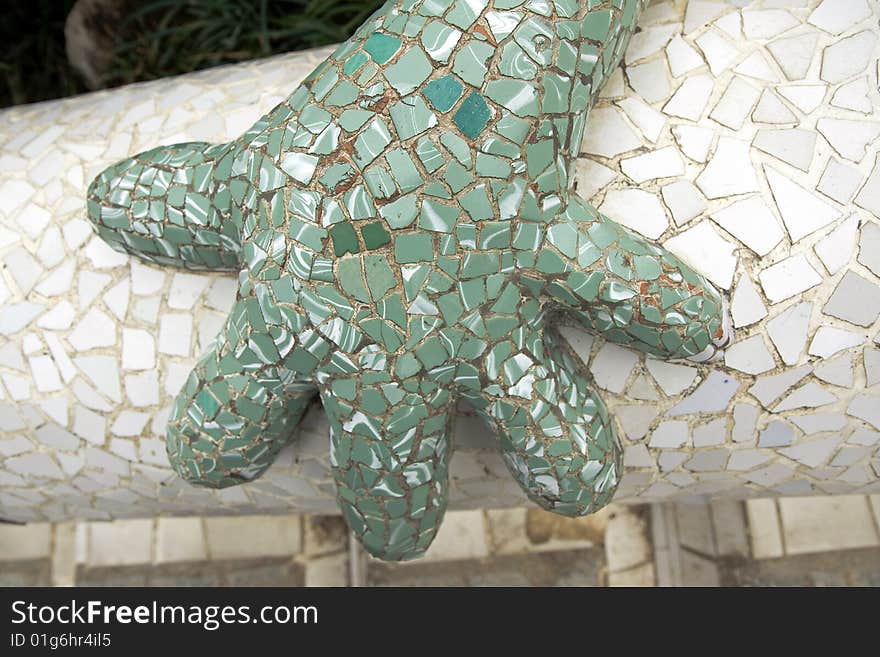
[159, 38]
[168, 37]
[33, 63]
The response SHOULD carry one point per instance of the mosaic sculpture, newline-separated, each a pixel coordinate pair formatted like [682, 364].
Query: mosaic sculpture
[404, 228]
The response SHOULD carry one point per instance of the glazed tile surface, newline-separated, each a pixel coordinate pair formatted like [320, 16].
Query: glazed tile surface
[743, 139]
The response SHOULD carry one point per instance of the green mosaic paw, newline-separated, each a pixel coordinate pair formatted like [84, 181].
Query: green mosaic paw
[404, 227]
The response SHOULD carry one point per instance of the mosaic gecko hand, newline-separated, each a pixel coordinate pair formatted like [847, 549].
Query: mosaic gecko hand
[404, 228]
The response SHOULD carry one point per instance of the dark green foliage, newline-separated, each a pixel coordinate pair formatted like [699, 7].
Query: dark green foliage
[33, 64]
[165, 37]
[168, 37]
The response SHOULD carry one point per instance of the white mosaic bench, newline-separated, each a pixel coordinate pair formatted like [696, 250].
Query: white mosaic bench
[744, 139]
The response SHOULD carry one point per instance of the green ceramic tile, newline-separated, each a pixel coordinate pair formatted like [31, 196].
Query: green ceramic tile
[443, 92]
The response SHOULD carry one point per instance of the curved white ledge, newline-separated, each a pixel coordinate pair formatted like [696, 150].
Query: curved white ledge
[747, 146]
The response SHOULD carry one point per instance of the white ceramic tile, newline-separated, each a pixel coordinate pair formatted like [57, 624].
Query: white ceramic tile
[662, 163]
[138, 350]
[794, 54]
[707, 251]
[855, 300]
[612, 366]
[712, 395]
[636, 209]
[848, 57]
[752, 223]
[735, 104]
[690, 99]
[591, 177]
[792, 146]
[836, 16]
[837, 371]
[648, 41]
[853, 96]
[718, 51]
[650, 80]
[682, 56]
[767, 23]
[869, 247]
[750, 356]
[839, 181]
[869, 196]
[828, 340]
[95, 329]
[746, 306]
[648, 120]
[788, 278]
[850, 138]
[788, 331]
[175, 334]
[756, 66]
[702, 12]
[671, 377]
[613, 136]
[810, 395]
[684, 201]
[802, 212]
[729, 172]
[693, 141]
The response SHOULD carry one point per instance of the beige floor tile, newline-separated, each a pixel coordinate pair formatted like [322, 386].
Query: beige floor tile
[663, 567]
[697, 571]
[695, 527]
[253, 536]
[508, 531]
[659, 526]
[64, 554]
[626, 540]
[324, 534]
[329, 570]
[639, 576]
[729, 522]
[764, 530]
[180, 539]
[875, 506]
[19, 542]
[519, 530]
[82, 542]
[820, 524]
[120, 543]
[462, 536]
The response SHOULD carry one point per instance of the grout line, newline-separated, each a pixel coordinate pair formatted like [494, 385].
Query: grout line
[780, 525]
[716, 551]
[357, 565]
[875, 515]
[63, 557]
[673, 544]
[154, 541]
[204, 529]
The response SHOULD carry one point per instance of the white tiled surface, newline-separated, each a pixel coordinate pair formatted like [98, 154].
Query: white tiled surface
[724, 114]
[827, 523]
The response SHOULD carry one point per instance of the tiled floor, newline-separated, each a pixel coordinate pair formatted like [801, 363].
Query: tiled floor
[818, 541]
